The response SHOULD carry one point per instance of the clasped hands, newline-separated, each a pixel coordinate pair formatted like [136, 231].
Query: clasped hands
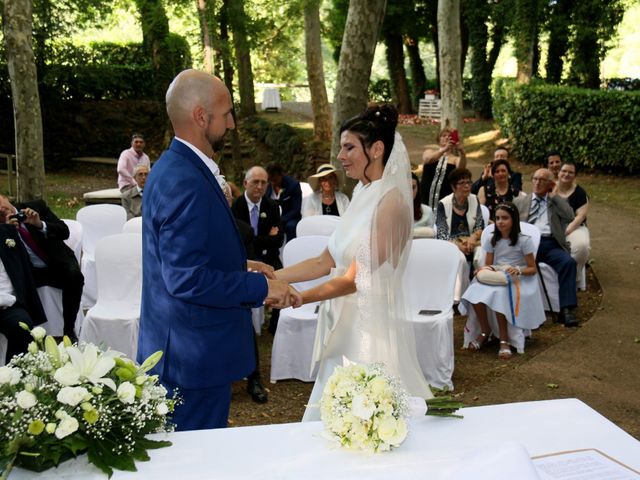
[280, 294]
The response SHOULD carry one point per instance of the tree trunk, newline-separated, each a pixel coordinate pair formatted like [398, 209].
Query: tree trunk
[18, 25]
[205, 17]
[476, 16]
[497, 38]
[525, 32]
[464, 44]
[238, 23]
[449, 53]
[397, 74]
[155, 30]
[418, 77]
[558, 40]
[236, 167]
[315, 72]
[361, 32]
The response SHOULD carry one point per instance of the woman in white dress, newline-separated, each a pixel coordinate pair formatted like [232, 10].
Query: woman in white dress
[362, 316]
[517, 308]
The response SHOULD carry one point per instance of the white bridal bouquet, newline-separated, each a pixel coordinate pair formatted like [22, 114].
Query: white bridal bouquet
[362, 407]
[60, 400]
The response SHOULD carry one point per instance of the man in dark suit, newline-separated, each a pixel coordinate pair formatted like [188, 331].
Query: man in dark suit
[53, 263]
[286, 191]
[197, 294]
[552, 214]
[263, 214]
[19, 301]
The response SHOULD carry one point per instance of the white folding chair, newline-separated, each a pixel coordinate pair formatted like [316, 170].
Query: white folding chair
[516, 335]
[133, 225]
[547, 276]
[485, 214]
[293, 342]
[115, 318]
[317, 225]
[51, 297]
[306, 189]
[429, 284]
[97, 221]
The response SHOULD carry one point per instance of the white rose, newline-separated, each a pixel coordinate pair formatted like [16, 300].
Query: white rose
[67, 375]
[362, 407]
[72, 395]
[162, 409]
[38, 333]
[379, 387]
[392, 431]
[26, 399]
[126, 392]
[9, 375]
[66, 427]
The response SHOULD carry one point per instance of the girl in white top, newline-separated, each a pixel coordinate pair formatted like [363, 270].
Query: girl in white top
[516, 307]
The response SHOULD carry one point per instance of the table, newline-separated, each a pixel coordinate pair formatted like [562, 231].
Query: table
[271, 99]
[298, 451]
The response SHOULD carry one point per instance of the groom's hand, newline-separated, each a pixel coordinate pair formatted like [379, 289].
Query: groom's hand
[260, 267]
[279, 295]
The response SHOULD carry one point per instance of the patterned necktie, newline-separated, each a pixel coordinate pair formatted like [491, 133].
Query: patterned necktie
[534, 212]
[31, 243]
[254, 219]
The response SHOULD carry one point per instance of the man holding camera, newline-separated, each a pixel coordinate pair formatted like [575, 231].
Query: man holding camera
[52, 262]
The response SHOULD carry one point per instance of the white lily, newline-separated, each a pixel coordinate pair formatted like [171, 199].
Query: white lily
[91, 364]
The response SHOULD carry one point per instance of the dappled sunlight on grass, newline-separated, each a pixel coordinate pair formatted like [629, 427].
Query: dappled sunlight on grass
[296, 120]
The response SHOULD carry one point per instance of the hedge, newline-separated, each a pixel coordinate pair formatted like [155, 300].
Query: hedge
[596, 129]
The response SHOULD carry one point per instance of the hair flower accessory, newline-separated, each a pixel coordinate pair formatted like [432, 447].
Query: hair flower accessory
[10, 242]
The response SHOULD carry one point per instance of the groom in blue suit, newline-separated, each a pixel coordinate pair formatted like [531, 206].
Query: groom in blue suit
[197, 294]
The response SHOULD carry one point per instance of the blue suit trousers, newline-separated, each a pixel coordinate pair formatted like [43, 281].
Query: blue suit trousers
[551, 253]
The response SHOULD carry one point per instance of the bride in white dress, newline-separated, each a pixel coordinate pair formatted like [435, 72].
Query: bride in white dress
[362, 316]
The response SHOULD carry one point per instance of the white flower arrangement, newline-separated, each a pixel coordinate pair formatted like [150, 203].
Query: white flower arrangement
[59, 400]
[362, 407]
[263, 215]
[10, 242]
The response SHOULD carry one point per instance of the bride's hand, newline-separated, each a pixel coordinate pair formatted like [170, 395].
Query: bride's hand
[295, 297]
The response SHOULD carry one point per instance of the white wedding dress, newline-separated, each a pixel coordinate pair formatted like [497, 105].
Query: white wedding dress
[370, 326]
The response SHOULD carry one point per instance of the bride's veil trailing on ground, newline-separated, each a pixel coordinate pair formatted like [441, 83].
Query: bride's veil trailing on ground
[381, 265]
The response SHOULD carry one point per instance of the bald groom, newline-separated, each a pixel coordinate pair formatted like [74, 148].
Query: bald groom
[197, 294]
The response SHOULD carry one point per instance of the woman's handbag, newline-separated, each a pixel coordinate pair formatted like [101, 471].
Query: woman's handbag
[493, 275]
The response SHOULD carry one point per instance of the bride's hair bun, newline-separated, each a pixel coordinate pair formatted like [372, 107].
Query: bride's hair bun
[386, 115]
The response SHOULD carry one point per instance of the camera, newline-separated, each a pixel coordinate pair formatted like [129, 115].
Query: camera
[20, 216]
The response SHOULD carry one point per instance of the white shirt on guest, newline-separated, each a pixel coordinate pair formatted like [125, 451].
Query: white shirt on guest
[7, 292]
[542, 222]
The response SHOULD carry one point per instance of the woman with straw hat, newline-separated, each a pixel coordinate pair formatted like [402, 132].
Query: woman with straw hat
[326, 199]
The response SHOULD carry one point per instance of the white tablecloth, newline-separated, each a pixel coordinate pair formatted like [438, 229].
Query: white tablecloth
[435, 448]
[271, 99]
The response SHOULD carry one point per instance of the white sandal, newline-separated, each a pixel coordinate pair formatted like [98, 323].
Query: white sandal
[505, 350]
[479, 342]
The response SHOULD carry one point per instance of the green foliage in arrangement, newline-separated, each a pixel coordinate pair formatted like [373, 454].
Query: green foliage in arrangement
[594, 128]
[291, 147]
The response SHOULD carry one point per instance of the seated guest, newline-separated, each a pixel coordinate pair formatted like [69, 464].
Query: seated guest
[326, 198]
[19, 301]
[129, 159]
[554, 161]
[422, 214]
[500, 189]
[254, 385]
[520, 303]
[263, 214]
[438, 165]
[286, 191]
[577, 232]
[459, 217]
[132, 198]
[53, 263]
[552, 215]
[515, 178]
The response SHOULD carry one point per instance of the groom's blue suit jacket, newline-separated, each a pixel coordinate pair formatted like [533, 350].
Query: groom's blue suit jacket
[196, 292]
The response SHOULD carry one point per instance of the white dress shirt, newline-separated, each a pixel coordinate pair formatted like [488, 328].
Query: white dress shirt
[542, 222]
[209, 162]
